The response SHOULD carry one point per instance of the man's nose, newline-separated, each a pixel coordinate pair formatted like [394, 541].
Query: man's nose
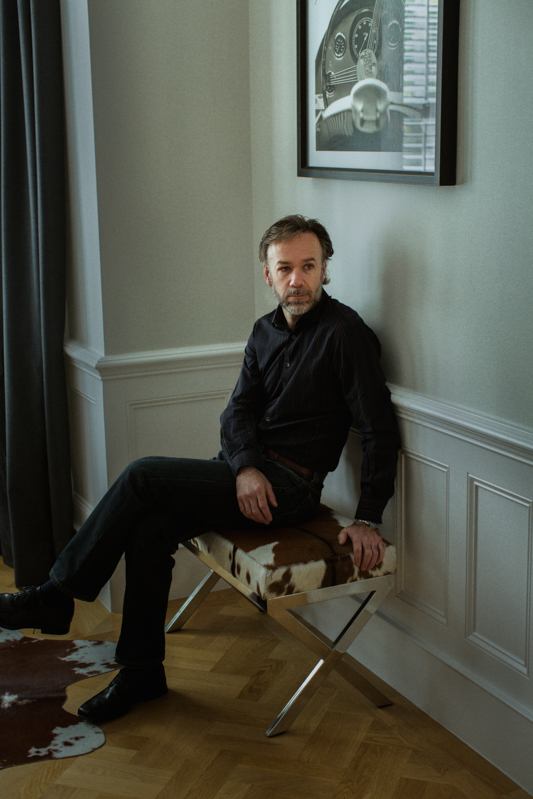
[296, 279]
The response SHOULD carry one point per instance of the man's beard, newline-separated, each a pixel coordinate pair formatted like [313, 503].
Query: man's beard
[299, 308]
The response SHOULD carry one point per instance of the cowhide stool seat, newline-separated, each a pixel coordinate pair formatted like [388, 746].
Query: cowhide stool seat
[284, 569]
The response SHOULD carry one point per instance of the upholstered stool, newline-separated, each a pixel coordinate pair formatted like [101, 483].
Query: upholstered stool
[286, 568]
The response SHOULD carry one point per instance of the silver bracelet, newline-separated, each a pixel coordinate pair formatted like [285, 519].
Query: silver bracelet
[373, 525]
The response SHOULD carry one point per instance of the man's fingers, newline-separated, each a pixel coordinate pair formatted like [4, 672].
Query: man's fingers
[368, 546]
[373, 555]
[357, 553]
[254, 493]
[271, 496]
[263, 509]
[252, 510]
[369, 555]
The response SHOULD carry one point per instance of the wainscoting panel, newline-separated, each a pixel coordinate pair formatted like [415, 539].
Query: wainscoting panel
[167, 403]
[157, 425]
[423, 534]
[499, 573]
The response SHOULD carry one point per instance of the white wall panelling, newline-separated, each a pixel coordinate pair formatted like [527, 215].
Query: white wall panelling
[499, 573]
[423, 534]
[166, 402]
[465, 496]
[192, 419]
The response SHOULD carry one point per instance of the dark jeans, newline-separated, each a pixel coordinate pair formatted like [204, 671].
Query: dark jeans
[154, 505]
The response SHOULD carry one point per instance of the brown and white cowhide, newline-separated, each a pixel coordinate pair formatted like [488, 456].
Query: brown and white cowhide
[34, 674]
[278, 562]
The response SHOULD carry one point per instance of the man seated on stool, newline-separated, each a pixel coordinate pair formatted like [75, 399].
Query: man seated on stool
[310, 368]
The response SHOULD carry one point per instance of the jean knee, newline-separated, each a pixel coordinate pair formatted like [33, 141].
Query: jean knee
[136, 472]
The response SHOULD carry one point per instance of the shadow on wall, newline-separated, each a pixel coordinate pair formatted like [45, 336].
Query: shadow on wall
[406, 309]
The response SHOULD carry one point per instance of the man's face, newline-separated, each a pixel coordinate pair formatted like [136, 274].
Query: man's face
[295, 272]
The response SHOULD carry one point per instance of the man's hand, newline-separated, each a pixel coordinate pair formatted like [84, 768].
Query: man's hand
[254, 494]
[368, 545]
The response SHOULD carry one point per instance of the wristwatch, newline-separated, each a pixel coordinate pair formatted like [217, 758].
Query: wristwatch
[373, 525]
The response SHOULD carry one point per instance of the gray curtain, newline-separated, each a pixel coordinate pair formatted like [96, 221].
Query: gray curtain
[35, 485]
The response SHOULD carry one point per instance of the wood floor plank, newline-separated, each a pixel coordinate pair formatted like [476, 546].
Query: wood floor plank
[473, 763]
[173, 743]
[138, 782]
[288, 679]
[424, 768]
[135, 742]
[265, 792]
[67, 792]
[336, 739]
[252, 740]
[232, 790]
[113, 754]
[409, 789]
[374, 771]
[246, 652]
[518, 794]
[12, 780]
[263, 677]
[442, 791]
[471, 785]
[201, 777]
[219, 771]
[41, 778]
[281, 762]
[300, 785]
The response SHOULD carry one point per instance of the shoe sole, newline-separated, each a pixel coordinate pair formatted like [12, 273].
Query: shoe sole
[53, 629]
[100, 718]
[49, 629]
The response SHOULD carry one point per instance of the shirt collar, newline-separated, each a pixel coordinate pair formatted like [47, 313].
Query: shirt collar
[279, 321]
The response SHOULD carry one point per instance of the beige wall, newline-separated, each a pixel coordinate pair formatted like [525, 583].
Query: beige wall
[444, 275]
[170, 85]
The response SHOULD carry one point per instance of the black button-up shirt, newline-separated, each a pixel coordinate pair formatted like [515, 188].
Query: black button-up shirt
[299, 391]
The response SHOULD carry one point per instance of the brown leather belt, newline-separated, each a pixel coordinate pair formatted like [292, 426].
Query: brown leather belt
[275, 456]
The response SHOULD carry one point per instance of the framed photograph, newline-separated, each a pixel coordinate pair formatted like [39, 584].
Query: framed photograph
[377, 90]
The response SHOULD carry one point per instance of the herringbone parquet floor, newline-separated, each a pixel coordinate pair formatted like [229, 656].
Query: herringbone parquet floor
[230, 670]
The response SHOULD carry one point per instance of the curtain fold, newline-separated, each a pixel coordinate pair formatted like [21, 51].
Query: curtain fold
[35, 487]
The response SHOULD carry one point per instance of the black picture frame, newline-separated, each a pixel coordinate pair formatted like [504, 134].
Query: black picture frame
[377, 94]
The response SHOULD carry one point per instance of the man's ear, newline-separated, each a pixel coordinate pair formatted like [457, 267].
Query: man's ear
[324, 265]
[266, 275]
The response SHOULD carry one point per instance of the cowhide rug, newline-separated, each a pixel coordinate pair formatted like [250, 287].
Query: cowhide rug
[34, 674]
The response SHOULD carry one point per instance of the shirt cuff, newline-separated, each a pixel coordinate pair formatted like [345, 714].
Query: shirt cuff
[250, 458]
[369, 510]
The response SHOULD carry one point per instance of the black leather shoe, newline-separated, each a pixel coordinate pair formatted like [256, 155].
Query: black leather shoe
[128, 687]
[26, 609]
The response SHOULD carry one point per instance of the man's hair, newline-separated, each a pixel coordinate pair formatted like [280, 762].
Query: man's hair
[291, 226]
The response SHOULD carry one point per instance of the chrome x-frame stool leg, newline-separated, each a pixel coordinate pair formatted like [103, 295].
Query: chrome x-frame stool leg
[332, 652]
